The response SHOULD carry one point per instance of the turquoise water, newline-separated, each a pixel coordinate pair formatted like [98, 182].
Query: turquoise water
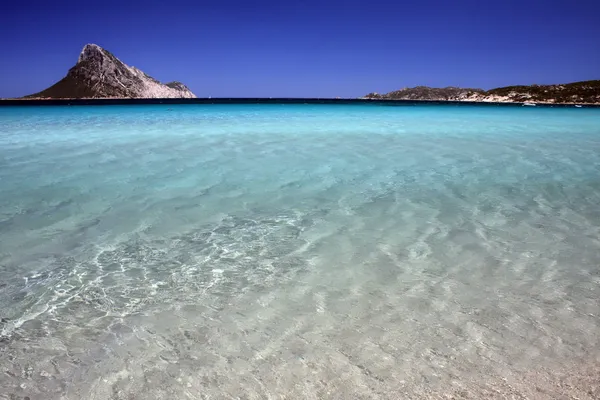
[299, 251]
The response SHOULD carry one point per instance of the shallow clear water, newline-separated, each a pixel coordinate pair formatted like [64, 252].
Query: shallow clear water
[299, 251]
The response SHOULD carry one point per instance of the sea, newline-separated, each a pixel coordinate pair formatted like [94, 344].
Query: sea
[299, 251]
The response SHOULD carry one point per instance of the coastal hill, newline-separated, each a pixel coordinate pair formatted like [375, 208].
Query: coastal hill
[99, 74]
[570, 93]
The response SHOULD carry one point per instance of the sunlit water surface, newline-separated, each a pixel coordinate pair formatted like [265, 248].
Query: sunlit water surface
[299, 251]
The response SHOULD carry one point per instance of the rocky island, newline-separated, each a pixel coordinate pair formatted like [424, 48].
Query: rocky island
[99, 74]
[587, 92]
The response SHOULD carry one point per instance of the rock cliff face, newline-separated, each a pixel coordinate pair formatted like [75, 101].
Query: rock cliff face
[577, 92]
[99, 74]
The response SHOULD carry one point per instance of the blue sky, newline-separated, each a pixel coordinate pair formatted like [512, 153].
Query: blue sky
[310, 48]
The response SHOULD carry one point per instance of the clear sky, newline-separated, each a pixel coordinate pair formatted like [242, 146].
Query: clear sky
[306, 48]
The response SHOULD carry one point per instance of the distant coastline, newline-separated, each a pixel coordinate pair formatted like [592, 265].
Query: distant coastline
[99, 77]
[264, 100]
[583, 92]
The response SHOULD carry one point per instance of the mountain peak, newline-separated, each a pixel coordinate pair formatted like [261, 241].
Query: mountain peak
[90, 51]
[99, 74]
